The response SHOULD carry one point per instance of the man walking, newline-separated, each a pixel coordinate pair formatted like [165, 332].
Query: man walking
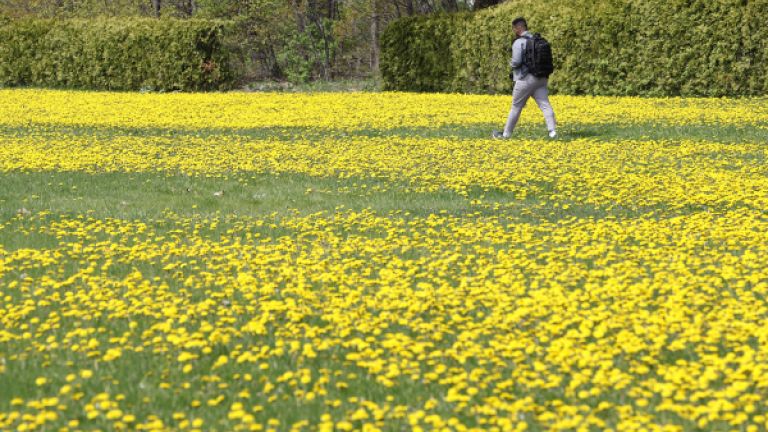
[526, 84]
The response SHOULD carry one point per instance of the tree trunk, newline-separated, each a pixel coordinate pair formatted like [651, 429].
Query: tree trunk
[327, 48]
[409, 10]
[374, 36]
[299, 16]
[156, 8]
[274, 65]
[314, 15]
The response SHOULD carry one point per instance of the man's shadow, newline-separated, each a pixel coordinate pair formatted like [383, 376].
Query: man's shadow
[582, 133]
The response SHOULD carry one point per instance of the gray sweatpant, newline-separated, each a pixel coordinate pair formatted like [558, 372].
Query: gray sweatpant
[530, 86]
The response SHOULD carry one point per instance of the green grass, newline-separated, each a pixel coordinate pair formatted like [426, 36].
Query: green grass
[607, 132]
[148, 197]
[346, 85]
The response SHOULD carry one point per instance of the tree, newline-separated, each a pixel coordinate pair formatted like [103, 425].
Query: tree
[297, 40]
[319, 19]
[375, 33]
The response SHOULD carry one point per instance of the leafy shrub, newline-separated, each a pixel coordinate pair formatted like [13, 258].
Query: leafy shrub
[605, 47]
[116, 54]
[416, 53]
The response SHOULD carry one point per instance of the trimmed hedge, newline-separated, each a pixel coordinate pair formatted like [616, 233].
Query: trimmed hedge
[603, 47]
[116, 54]
[416, 53]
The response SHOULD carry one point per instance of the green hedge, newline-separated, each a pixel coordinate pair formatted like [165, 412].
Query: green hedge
[116, 54]
[601, 47]
[416, 52]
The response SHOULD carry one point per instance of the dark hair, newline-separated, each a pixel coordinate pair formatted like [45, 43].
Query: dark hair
[518, 21]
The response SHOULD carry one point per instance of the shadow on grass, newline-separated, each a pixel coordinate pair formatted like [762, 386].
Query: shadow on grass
[567, 132]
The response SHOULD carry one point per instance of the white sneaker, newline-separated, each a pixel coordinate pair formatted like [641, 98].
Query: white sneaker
[552, 134]
[497, 135]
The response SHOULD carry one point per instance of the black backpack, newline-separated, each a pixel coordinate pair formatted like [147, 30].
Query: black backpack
[538, 56]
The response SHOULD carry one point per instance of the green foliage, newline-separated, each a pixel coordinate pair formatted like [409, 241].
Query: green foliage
[282, 40]
[116, 54]
[300, 52]
[416, 52]
[97, 8]
[608, 47]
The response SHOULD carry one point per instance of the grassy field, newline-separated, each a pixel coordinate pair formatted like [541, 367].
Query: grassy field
[373, 261]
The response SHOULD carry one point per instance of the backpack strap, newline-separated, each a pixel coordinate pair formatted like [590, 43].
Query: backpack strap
[529, 38]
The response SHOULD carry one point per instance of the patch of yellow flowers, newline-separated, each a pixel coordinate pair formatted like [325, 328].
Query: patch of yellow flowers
[357, 320]
[350, 110]
[586, 171]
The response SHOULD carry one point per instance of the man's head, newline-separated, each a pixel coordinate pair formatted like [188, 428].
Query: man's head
[520, 26]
